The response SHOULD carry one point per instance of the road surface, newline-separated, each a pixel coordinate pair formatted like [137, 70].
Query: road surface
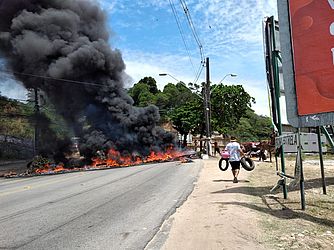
[111, 209]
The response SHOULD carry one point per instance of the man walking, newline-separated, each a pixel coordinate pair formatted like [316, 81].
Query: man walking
[234, 149]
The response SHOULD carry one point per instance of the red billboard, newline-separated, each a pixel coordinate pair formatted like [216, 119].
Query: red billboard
[312, 32]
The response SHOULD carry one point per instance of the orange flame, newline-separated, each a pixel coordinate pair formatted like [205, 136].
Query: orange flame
[114, 159]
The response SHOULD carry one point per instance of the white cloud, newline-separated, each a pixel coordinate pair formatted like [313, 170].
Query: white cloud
[232, 26]
[107, 5]
[258, 90]
[139, 65]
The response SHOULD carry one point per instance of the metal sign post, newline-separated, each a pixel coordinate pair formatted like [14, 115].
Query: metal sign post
[272, 64]
[301, 172]
[298, 178]
[321, 162]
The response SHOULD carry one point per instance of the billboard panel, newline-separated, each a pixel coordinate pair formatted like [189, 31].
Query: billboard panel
[307, 43]
[313, 57]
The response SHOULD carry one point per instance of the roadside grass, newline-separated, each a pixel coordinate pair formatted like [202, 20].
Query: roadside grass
[284, 224]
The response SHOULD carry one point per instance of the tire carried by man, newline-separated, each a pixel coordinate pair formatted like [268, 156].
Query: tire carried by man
[223, 164]
[247, 163]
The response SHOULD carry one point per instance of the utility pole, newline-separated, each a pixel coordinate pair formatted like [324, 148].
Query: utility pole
[37, 113]
[207, 108]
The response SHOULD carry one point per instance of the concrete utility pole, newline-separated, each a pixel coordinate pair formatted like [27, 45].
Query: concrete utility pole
[207, 108]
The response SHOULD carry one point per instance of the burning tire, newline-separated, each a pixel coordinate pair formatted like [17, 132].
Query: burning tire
[223, 166]
[247, 163]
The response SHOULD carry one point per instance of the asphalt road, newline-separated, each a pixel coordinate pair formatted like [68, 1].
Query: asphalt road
[111, 209]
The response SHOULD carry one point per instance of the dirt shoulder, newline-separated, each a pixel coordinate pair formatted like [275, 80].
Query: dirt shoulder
[220, 214]
[212, 217]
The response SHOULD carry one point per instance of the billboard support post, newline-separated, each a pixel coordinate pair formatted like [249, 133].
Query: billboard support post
[328, 136]
[301, 181]
[275, 57]
[321, 162]
[308, 73]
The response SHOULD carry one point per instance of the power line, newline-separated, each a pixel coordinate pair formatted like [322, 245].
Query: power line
[181, 31]
[194, 33]
[51, 78]
[199, 72]
[192, 28]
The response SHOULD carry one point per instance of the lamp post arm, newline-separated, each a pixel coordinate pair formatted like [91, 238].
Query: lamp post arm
[182, 83]
[166, 74]
[174, 78]
[221, 81]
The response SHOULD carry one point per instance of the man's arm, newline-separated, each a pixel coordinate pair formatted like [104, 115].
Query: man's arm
[241, 152]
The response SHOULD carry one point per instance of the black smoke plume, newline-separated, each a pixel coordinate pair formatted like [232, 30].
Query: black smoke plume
[68, 39]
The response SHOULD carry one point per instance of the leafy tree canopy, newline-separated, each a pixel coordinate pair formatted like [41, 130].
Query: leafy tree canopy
[228, 103]
[231, 112]
[187, 118]
[151, 83]
[253, 127]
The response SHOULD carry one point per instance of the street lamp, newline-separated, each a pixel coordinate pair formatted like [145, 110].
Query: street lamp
[206, 100]
[182, 83]
[166, 74]
[221, 81]
[231, 75]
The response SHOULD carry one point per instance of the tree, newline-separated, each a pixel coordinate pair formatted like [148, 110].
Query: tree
[146, 98]
[187, 118]
[151, 83]
[144, 92]
[136, 90]
[230, 108]
[14, 118]
[228, 105]
[244, 130]
[253, 127]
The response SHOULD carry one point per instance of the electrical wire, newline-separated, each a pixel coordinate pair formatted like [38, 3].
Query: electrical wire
[181, 31]
[199, 72]
[51, 78]
[192, 28]
[194, 33]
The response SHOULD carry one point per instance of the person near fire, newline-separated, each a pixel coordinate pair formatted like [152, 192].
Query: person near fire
[235, 152]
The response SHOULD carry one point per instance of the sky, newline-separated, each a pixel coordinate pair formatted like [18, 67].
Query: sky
[147, 34]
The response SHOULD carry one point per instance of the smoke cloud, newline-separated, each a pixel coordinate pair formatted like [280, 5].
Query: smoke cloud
[68, 39]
